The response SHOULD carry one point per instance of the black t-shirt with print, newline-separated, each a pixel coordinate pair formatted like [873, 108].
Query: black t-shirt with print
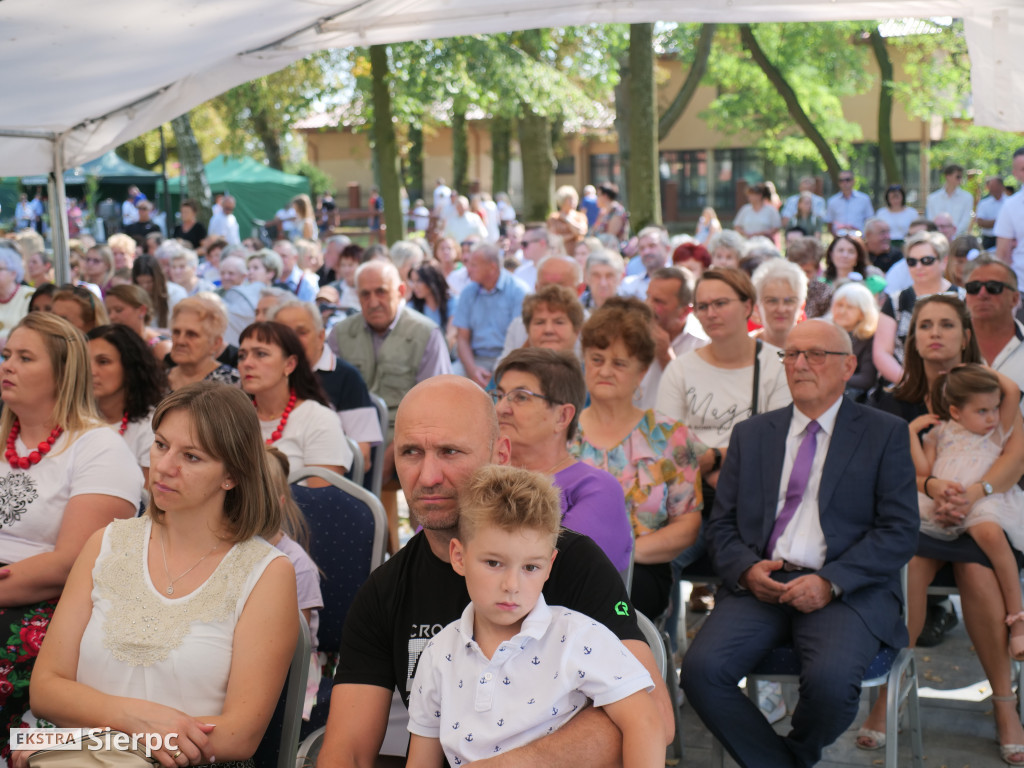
[414, 595]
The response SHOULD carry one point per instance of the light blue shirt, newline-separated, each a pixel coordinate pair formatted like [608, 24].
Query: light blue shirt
[852, 211]
[487, 314]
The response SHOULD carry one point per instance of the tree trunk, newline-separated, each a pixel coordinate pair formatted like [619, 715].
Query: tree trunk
[785, 90]
[501, 153]
[269, 136]
[699, 67]
[644, 187]
[193, 174]
[386, 144]
[538, 156]
[460, 150]
[622, 112]
[538, 166]
[886, 148]
[415, 163]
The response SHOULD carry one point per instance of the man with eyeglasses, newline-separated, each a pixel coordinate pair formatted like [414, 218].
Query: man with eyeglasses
[991, 296]
[951, 199]
[817, 566]
[848, 208]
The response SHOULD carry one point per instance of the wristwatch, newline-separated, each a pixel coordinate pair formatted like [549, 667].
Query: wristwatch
[986, 488]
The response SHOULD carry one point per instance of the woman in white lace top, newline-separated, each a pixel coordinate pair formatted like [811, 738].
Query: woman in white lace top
[158, 633]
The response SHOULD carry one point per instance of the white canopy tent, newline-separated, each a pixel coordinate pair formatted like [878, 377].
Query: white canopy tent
[82, 78]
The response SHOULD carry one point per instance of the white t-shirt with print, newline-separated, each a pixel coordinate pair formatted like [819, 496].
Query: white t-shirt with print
[32, 501]
[313, 435]
[710, 401]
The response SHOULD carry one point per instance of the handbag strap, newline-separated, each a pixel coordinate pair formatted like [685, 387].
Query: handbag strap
[757, 377]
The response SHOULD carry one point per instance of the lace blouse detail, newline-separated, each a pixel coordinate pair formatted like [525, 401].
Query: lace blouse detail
[143, 627]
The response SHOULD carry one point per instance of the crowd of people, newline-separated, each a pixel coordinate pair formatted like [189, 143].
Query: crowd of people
[855, 372]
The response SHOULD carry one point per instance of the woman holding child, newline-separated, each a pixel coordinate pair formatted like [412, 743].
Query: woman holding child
[66, 475]
[939, 338]
[166, 614]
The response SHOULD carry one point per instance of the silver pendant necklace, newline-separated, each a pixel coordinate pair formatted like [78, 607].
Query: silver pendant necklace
[170, 581]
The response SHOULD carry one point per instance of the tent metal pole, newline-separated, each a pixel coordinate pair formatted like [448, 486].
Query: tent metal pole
[59, 216]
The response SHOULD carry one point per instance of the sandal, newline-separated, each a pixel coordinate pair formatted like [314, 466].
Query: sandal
[1016, 641]
[1007, 751]
[868, 739]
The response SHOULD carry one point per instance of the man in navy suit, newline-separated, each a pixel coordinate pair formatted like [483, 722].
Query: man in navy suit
[816, 513]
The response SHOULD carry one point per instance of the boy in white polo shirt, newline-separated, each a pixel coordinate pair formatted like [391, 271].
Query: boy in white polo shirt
[513, 669]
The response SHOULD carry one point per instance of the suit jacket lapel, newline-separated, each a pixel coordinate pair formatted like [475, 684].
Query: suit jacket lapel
[771, 466]
[846, 437]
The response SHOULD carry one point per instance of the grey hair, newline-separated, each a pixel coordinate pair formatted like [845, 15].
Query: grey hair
[605, 258]
[170, 249]
[188, 255]
[277, 294]
[339, 240]
[237, 250]
[10, 258]
[386, 267]
[780, 269]
[271, 260]
[489, 251]
[660, 232]
[761, 247]
[985, 260]
[309, 309]
[729, 239]
[404, 251]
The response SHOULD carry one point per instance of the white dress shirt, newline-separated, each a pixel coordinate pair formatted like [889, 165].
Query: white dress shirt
[803, 543]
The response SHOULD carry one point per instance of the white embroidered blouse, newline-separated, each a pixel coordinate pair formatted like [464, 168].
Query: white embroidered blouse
[140, 643]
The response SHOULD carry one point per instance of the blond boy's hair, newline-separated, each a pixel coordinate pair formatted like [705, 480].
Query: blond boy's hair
[511, 499]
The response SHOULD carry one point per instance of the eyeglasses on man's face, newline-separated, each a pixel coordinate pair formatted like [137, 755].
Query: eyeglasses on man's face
[994, 287]
[814, 357]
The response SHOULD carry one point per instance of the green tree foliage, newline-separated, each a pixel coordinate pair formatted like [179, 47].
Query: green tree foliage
[819, 63]
[262, 111]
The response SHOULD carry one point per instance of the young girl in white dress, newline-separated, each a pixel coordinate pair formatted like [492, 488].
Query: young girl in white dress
[975, 409]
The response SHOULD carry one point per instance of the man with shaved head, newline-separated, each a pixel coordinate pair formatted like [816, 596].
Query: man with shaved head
[816, 512]
[446, 429]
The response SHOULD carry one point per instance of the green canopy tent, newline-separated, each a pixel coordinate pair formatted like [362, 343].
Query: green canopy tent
[113, 174]
[258, 189]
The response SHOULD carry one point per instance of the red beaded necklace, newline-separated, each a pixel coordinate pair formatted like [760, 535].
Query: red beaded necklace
[124, 424]
[24, 462]
[276, 434]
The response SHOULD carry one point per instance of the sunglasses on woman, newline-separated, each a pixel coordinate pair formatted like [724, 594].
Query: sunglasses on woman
[926, 261]
[994, 287]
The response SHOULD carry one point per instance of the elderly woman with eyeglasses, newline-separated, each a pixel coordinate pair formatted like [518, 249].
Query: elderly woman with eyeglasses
[14, 297]
[925, 254]
[538, 395]
[655, 458]
[781, 293]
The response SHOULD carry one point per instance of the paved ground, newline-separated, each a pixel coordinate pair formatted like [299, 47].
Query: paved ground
[959, 731]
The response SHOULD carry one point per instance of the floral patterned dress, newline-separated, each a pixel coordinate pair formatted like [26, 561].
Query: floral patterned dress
[657, 466]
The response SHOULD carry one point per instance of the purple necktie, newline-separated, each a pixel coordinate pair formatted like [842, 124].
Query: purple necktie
[797, 484]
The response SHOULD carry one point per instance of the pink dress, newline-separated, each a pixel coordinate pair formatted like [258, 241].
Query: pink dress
[965, 457]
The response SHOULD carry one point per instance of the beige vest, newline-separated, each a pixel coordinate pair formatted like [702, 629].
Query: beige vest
[391, 372]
